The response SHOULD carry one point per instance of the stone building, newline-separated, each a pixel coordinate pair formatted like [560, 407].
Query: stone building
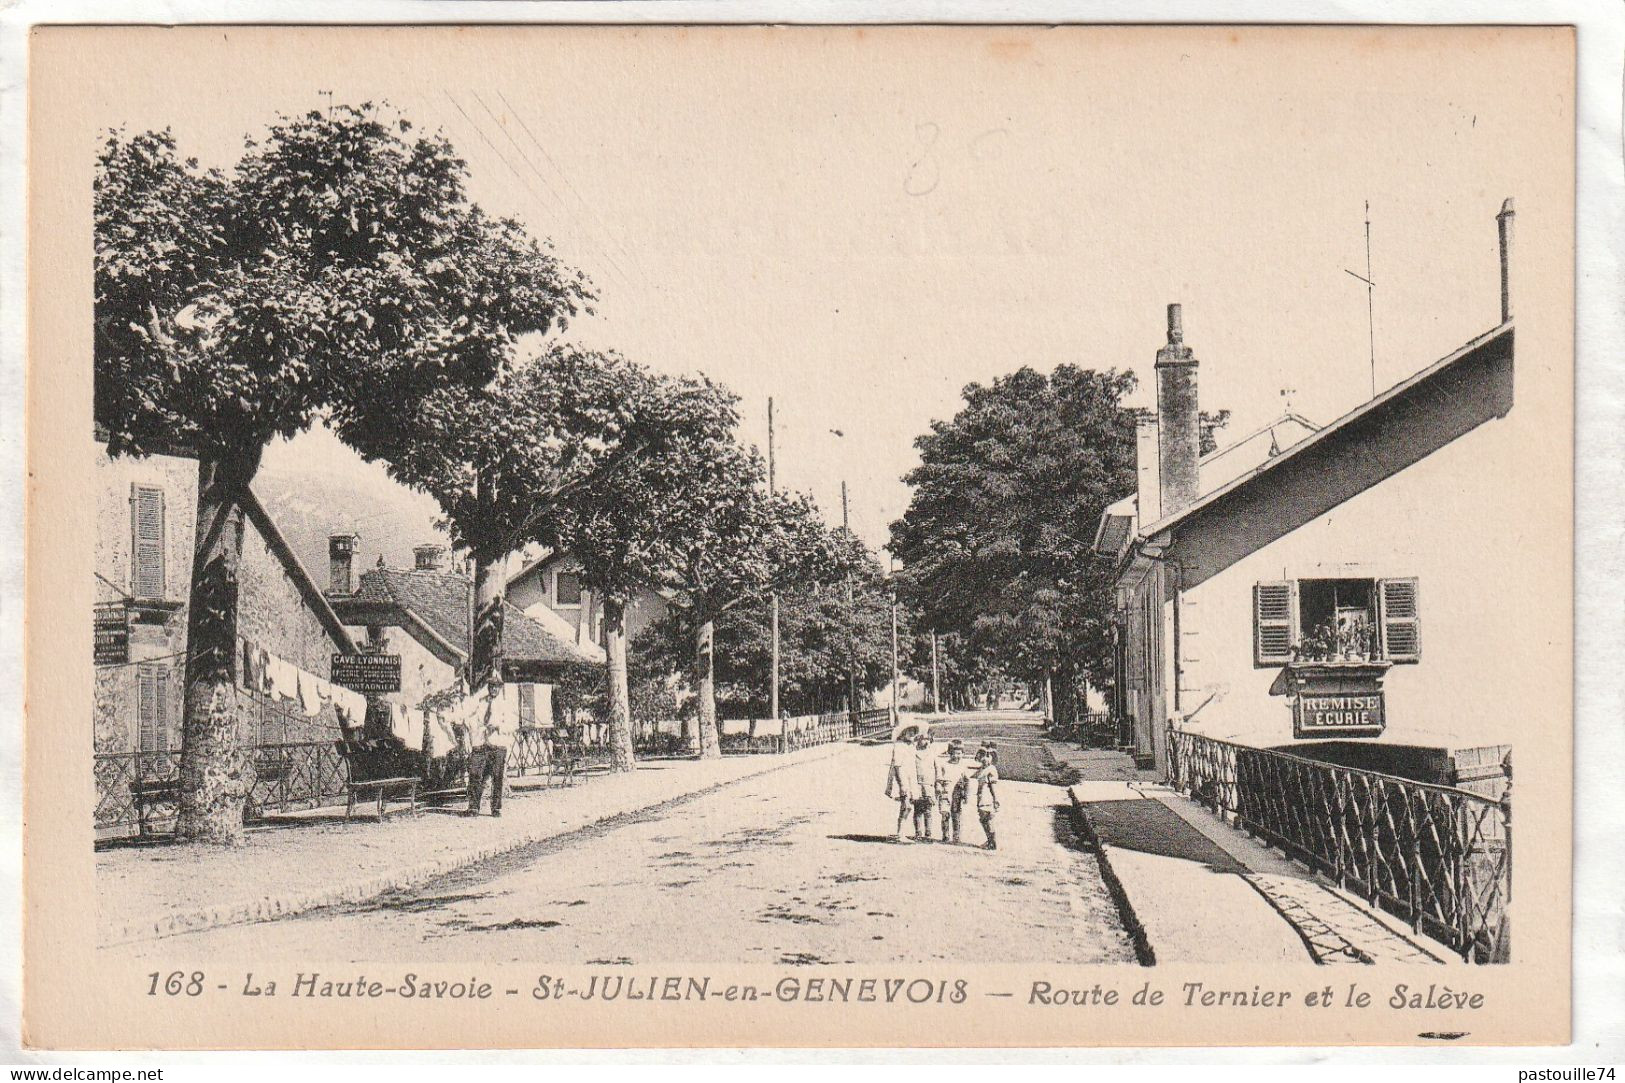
[146, 511]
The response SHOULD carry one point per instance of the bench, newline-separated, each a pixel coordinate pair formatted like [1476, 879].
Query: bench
[382, 787]
[147, 792]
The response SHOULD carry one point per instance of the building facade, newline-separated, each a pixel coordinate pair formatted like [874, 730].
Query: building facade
[1354, 594]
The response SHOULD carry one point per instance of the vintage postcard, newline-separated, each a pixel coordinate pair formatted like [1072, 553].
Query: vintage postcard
[594, 536]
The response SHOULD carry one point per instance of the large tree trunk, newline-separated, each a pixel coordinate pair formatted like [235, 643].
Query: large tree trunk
[620, 697]
[705, 684]
[216, 770]
[490, 585]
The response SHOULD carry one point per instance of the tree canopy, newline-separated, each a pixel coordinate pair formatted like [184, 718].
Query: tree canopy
[997, 536]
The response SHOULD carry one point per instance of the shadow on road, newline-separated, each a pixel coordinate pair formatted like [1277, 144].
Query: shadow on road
[1150, 827]
[888, 839]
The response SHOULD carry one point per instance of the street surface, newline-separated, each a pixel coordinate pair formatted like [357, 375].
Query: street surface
[793, 866]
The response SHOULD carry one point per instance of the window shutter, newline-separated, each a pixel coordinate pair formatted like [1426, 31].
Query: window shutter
[147, 542]
[146, 708]
[527, 705]
[1272, 624]
[1401, 633]
[160, 727]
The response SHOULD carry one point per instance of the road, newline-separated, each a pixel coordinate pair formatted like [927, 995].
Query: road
[793, 866]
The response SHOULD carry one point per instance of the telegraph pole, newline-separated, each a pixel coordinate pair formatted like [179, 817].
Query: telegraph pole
[851, 621]
[1370, 300]
[773, 692]
[895, 677]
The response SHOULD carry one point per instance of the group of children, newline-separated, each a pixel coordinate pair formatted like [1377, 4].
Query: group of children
[921, 781]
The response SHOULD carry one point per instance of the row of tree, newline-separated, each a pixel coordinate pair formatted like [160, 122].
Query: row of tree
[340, 273]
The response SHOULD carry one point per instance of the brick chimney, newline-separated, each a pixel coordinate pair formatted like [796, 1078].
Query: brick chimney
[429, 557]
[340, 561]
[1178, 420]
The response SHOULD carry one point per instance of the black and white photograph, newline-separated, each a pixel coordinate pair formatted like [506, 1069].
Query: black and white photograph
[822, 530]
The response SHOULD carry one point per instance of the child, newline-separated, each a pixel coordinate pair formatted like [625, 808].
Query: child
[924, 777]
[954, 791]
[987, 796]
[902, 756]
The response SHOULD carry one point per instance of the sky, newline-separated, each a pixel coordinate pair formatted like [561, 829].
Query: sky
[858, 223]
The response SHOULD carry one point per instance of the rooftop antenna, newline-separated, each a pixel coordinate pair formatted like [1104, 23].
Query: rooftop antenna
[1370, 305]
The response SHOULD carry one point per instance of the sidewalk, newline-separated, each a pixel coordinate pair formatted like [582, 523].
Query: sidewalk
[1205, 892]
[317, 859]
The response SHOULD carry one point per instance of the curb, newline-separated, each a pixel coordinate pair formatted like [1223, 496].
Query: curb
[1125, 909]
[275, 907]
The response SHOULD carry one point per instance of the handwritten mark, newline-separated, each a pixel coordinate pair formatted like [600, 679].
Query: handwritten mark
[925, 174]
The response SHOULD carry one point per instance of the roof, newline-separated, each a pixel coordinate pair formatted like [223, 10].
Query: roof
[1365, 446]
[434, 607]
[1397, 396]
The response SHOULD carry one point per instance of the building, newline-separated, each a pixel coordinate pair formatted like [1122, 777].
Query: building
[1333, 593]
[422, 616]
[146, 511]
[551, 584]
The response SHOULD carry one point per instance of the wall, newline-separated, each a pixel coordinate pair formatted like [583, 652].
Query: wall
[1452, 522]
[272, 611]
[536, 589]
[164, 638]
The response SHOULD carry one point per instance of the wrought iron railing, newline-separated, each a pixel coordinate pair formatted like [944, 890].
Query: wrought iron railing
[136, 792]
[1438, 857]
[872, 725]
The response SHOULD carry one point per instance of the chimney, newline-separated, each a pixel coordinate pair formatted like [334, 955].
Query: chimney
[340, 559]
[428, 558]
[1504, 222]
[1147, 472]
[1178, 422]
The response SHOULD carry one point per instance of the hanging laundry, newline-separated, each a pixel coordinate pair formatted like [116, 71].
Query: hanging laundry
[284, 678]
[410, 729]
[309, 702]
[348, 702]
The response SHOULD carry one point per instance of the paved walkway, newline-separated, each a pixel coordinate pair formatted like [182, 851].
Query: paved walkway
[319, 859]
[1205, 892]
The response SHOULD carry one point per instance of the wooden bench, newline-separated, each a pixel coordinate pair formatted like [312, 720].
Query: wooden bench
[147, 792]
[383, 788]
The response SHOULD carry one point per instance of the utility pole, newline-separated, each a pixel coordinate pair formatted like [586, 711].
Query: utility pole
[773, 687]
[1370, 302]
[936, 702]
[895, 676]
[851, 622]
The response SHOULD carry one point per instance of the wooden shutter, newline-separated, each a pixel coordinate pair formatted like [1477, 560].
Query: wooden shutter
[147, 542]
[146, 708]
[1397, 610]
[1272, 624]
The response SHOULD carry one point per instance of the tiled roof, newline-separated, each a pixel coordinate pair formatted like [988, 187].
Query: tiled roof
[441, 601]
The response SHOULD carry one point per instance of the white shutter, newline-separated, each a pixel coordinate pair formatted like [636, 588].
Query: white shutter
[1401, 631]
[147, 542]
[1272, 624]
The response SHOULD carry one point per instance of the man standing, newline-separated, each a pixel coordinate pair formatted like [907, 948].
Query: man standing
[491, 733]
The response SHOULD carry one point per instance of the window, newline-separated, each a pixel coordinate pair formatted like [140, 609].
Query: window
[527, 705]
[146, 542]
[1335, 620]
[152, 708]
[567, 589]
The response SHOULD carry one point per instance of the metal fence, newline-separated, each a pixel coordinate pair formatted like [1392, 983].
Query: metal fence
[1438, 857]
[873, 725]
[136, 792]
[558, 754]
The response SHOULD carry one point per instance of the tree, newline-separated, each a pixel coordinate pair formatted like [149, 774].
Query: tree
[616, 527]
[504, 461]
[813, 662]
[723, 540]
[996, 539]
[338, 265]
